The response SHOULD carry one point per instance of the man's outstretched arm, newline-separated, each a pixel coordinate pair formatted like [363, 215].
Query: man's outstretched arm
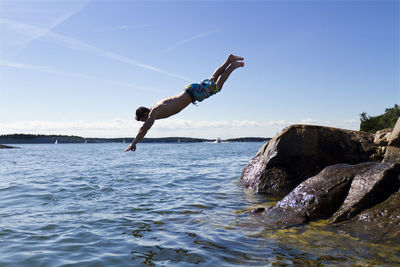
[142, 132]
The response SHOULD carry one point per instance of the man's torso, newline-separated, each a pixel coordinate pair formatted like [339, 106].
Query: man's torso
[170, 106]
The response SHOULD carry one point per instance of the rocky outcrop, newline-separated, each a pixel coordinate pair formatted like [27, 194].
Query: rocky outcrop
[302, 151]
[360, 198]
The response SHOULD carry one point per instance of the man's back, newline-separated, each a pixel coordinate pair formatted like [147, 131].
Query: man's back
[170, 106]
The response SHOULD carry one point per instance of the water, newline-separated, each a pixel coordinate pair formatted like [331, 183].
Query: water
[164, 205]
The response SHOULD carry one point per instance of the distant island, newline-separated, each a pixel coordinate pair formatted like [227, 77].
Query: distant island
[49, 139]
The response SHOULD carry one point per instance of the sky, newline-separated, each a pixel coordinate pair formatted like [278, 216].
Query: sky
[82, 67]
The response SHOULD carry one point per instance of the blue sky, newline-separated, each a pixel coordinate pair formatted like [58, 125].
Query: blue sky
[83, 67]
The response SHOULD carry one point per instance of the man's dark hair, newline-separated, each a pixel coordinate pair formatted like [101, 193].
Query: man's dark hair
[141, 113]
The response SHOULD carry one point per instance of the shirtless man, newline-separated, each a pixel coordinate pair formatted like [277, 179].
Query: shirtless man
[192, 93]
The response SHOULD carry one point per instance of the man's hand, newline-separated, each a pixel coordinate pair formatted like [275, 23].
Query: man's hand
[131, 147]
[142, 132]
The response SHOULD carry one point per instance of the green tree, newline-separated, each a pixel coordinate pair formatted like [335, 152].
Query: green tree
[387, 120]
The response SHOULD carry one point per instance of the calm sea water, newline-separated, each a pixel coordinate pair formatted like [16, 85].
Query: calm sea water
[163, 205]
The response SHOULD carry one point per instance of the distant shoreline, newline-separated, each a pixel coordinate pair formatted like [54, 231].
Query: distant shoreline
[49, 139]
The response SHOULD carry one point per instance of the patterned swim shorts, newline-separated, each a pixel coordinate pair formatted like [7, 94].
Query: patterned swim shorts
[201, 91]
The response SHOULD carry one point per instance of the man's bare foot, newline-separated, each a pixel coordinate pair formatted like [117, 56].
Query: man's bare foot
[233, 58]
[236, 64]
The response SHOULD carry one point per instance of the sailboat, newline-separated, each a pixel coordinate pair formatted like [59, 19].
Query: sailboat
[56, 142]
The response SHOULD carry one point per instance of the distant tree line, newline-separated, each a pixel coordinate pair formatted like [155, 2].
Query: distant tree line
[375, 123]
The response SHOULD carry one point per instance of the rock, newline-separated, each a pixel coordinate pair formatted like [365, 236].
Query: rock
[380, 154]
[379, 224]
[369, 188]
[301, 151]
[382, 137]
[392, 154]
[382, 150]
[316, 198]
[393, 149]
[395, 136]
[4, 146]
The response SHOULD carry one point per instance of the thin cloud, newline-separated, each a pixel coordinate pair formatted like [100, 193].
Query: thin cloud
[308, 121]
[351, 124]
[71, 43]
[182, 42]
[64, 17]
[70, 74]
[122, 28]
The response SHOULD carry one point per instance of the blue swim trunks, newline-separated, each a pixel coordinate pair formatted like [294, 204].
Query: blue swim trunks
[201, 91]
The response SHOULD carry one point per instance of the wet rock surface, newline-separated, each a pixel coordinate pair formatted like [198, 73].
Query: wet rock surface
[362, 200]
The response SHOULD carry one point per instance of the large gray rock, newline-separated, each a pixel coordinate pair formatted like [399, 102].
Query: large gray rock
[316, 198]
[392, 153]
[369, 188]
[301, 151]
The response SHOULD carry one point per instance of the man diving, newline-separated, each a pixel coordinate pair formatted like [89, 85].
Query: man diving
[192, 93]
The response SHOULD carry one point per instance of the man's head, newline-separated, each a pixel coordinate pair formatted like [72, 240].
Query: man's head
[142, 113]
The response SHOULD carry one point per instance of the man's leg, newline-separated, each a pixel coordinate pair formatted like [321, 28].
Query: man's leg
[225, 74]
[231, 58]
